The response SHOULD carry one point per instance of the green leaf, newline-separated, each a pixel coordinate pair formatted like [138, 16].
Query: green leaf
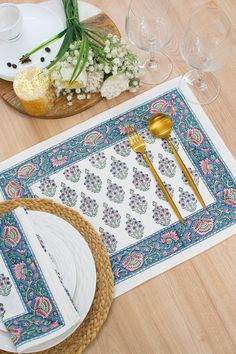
[44, 44]
[68, 39]
[82, 57]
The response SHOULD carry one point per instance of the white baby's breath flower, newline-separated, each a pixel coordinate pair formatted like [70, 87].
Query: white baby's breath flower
[88, 96]
[91, 68]
[81, 97]
[114, 85]
[107, 69]
[116, 61]
[70, 103]
[100, 66]
[111, 61]
[128, 74]
[114, 52]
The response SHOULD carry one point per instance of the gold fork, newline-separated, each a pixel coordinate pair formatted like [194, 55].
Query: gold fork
[139, 146]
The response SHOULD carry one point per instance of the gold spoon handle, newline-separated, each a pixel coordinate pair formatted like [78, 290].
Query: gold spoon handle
[187, 174]
[163, 188]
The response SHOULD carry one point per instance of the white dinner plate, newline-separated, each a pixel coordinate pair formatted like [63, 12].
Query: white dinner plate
[85, 272]
[39, 24]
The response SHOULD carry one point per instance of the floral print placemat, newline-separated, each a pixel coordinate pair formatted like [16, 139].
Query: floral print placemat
[91, 168]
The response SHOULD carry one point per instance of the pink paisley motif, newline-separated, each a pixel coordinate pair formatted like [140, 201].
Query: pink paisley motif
[11, 236]
[92, 138]
[13, 189]
[26, 171]
[159, 106]
[230, 196]
[168, 237]
[188, 236]
[133, 262]
[15, 333]
[195, 136]
[43, 306]
[203, 226]
[20, 271]
[58, 161]
[206, 166]
[122, 129]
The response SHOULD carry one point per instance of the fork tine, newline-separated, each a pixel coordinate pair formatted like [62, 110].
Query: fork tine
[134, 137]
[130, 137]
[130, 140]
[138, 136]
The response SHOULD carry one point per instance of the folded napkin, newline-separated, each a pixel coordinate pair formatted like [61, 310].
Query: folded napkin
[34, 306]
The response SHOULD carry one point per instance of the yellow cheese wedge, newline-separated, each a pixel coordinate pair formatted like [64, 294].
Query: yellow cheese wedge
[34, 90]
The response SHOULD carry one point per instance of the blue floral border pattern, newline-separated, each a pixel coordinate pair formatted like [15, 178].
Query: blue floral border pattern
[16, 181]
[42, 315]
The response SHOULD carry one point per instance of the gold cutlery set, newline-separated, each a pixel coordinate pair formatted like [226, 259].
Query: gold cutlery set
[160, 126]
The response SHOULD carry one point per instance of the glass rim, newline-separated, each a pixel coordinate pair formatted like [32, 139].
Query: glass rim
[130, 9]
[211, 6]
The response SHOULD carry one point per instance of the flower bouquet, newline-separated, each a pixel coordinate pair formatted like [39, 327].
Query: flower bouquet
[89, 61]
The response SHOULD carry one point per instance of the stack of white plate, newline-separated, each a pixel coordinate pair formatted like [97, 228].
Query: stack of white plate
[74, 262]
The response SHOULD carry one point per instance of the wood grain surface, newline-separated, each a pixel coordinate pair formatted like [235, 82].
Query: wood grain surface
[190, 309]
[61, 109]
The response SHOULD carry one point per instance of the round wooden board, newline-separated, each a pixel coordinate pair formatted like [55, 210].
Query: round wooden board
[61, 108]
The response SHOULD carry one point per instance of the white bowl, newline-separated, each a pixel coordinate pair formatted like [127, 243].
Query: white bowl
[11, 22]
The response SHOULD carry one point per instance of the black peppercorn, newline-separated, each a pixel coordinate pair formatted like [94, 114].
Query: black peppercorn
[48, 50]
[42, 59]
[14, 66]
[9, 64]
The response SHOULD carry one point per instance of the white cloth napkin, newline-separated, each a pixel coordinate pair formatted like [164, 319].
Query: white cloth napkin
[34, 306]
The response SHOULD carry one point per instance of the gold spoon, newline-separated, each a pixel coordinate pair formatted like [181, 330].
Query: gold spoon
[160, 126]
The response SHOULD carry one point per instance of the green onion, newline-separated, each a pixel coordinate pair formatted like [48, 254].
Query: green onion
[74, 32]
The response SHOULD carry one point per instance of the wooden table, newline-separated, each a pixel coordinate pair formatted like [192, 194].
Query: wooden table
[192, 308]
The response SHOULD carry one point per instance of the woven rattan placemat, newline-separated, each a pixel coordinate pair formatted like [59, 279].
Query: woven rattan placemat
[93, 322]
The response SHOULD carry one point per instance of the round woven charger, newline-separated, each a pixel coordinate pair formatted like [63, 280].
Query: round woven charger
[97, 315]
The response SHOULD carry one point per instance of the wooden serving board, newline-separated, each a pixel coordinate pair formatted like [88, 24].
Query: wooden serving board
[61, 108]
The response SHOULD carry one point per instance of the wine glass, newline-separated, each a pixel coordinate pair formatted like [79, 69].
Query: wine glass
[150, 28]
[205, 46]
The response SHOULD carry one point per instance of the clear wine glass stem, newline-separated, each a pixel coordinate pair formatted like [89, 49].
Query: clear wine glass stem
[200, 83]
[153, 62]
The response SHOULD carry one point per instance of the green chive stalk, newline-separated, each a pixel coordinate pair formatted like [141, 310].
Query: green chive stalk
[74, 32]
